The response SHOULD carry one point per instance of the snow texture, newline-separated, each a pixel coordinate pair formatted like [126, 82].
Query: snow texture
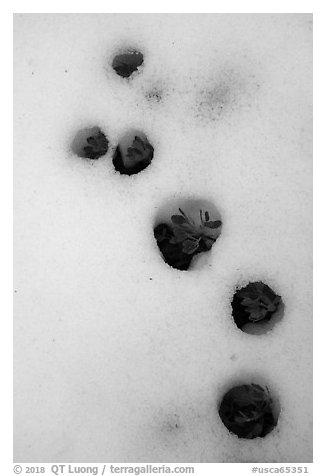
[119, 357]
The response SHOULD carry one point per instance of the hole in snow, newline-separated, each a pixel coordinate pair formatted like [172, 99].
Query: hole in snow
[90, 143]
[133, 154]
[126, 63]
[185, 229]
[256, 308]
[249, 411]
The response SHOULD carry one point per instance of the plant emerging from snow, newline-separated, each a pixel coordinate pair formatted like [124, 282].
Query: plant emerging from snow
[259, 301]
[186, 236]
[97, 145]
[246, 410]
[141, 151]
[192, 234]
[135, 157]
[126, 63]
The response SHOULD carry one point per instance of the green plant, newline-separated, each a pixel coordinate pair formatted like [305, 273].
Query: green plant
[97, 146]
[135, 157]
[246, 410]
[194, 236]
[126, 63]
[185, 236]
[258, 301]
[140, 151]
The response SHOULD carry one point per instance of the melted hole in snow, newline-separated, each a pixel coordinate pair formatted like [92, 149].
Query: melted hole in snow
[256, 308]
[185, 228]
[249, 411]
[126, 63]
[90, 143]
[133, 154]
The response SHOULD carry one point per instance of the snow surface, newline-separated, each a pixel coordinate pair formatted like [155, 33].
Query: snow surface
[119, 357]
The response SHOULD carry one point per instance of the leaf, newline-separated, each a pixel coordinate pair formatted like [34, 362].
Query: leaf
[189, 246]
[91, 152]
[257, 314]
[97, 146]
[140, 150]
[183, 213]
[259, 301]
[132, 151]
[179, 235]
[213, 224]
[191, 234]
[178, 219]
[247, 411]
[208, 241]
[247, 301]
[257, 387]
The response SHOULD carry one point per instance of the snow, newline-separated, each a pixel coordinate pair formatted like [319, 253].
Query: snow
[117, 355]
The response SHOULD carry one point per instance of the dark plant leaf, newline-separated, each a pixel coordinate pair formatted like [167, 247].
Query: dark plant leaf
[97, 146]
[126, 63]
[189, 246]
[213, 224]
[208, 241]
[178, 219]
[183, 213]
[259, 301]
[179, 235]
[140, 150]
[197, 239]
[246, 410]
[185, 238]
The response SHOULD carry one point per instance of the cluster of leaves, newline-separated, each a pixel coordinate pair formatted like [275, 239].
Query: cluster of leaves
[184, 238]
[141, 151]
[97, 145]
[246, 410]
[193, 235]
[138, 156]
[254, 303]
[126, 63]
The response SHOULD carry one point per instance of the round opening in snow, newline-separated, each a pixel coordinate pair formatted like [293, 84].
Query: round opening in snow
[256, 308]
[185, 229]
[133, 154]
[90, 143]
[127, 62]
[248, 411]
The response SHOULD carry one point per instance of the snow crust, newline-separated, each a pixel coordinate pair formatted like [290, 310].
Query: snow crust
[117, 355]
